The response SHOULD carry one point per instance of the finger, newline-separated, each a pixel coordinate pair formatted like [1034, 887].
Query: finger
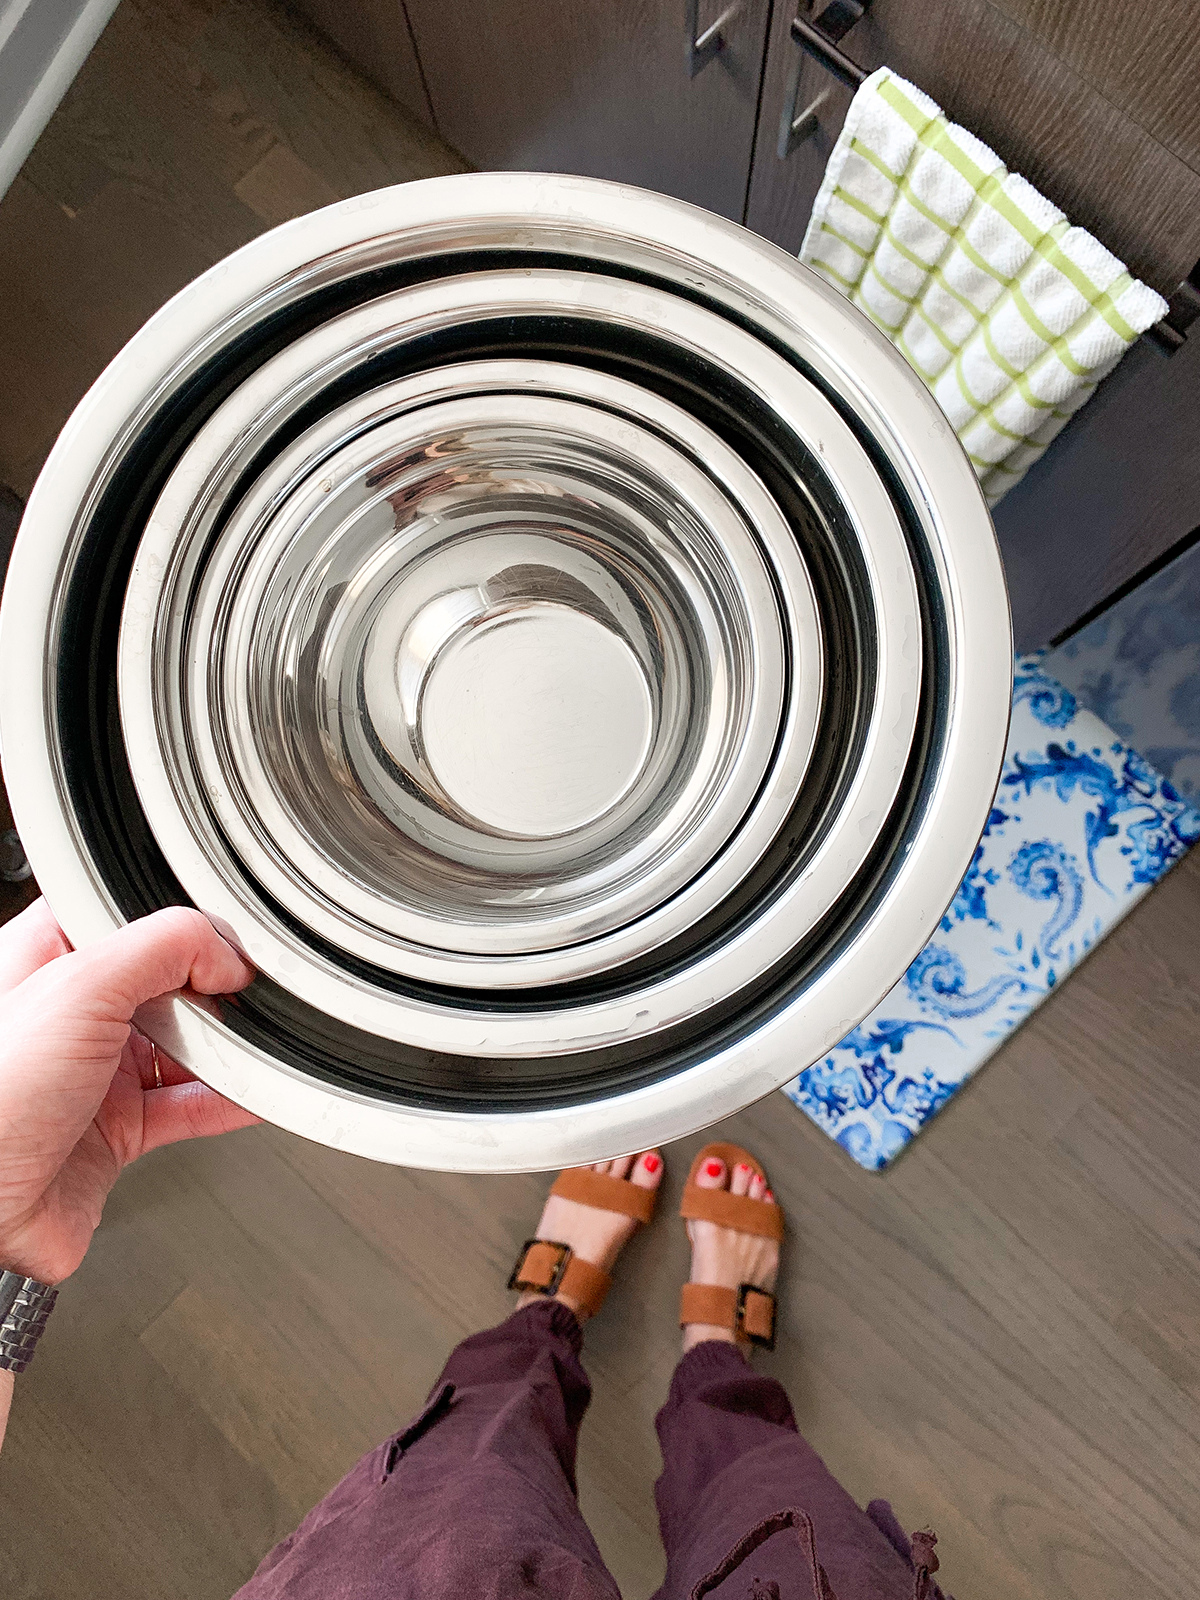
[173, 949]
[28, 941]
[189, 1111]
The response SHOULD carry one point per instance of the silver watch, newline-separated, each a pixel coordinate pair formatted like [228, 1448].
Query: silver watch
[24, 1306]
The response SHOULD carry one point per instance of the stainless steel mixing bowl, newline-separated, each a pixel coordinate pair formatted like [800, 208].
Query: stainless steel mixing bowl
[550, 631]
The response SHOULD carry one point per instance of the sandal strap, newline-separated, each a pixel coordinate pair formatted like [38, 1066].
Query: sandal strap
[732, 1211]
[727, 1210]
[606, 1193]
[549, 1267]
[747, 1311]
[587, 1284]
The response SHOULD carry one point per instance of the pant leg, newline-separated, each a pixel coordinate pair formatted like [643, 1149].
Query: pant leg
[475, 1497]
[732, 1456]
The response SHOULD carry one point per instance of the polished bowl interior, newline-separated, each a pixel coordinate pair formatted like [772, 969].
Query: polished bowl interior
[547, 629]
[489, 678]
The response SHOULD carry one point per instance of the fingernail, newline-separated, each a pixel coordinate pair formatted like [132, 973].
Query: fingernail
[651, 1163]
[712, 1169]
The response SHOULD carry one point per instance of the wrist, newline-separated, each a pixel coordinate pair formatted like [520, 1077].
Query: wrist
[16, 1255]
[29, 1248]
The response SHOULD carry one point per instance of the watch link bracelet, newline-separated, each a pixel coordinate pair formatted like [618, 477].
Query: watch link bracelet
[25, 1305]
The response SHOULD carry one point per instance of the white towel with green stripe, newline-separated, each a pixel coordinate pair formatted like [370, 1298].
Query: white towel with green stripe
[1010, 315]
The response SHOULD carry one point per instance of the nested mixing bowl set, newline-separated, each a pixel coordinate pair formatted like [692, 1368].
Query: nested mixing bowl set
[547, 629]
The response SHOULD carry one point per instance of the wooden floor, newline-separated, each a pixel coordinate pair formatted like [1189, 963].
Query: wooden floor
[1002, 1334]
[193, 126]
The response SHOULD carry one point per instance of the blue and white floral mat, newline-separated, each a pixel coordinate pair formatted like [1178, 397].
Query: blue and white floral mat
[1081, 827]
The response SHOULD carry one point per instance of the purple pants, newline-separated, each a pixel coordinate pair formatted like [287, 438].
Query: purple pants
[476, 1497]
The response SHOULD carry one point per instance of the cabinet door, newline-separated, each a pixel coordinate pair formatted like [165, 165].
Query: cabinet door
[1117, 489]
[1094, 101]
[374, 36]
[600, 88]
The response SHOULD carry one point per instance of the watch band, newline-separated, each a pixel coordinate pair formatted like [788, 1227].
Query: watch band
[25, 1305]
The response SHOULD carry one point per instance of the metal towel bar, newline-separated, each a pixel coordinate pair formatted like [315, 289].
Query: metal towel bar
[818, 37]
[819, 40]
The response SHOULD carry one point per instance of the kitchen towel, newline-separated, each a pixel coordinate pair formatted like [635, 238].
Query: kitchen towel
[1081, 827]
[1011, 315]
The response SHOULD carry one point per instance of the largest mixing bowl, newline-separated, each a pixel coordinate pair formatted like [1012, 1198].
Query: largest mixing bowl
[551, 632]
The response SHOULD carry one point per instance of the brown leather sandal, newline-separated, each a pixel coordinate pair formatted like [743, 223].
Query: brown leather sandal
[547, 1266]
[747, 1311]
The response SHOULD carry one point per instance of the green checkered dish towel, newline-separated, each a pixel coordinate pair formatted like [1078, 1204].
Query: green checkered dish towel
[1010, 315]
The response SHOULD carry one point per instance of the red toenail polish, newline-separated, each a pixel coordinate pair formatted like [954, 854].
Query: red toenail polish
[713, 1169]
[650, 1163]
[769, 1196]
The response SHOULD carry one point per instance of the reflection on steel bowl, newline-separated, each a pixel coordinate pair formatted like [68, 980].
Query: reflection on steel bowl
[547, 629]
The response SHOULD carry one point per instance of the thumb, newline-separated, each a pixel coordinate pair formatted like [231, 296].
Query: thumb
[172, 949]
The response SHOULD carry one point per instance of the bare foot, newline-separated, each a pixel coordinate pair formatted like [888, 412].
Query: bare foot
[594, 1235]
[724, 1256]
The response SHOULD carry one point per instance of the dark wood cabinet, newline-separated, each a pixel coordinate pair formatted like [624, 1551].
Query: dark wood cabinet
[1065, 91]
[374, 35]
[1119, 487]
[601, 88]
[1097, 102]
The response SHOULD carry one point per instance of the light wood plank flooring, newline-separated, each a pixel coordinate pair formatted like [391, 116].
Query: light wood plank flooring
[1002, 1334]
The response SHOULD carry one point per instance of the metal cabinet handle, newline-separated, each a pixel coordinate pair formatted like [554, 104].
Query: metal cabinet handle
[701, 48]
[818, 38]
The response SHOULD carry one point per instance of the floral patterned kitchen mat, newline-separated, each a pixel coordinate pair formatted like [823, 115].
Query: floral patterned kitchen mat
[1081, 827]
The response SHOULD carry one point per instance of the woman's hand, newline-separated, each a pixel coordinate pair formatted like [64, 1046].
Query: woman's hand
[78, 1099]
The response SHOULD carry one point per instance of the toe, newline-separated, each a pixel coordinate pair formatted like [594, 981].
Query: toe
[620, 1167]
[600, 1166]
[648, 1170]
[712, 1174]
[739, 1182]
[758, 1186]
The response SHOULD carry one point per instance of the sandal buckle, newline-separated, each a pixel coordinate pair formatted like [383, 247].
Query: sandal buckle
[556, 1277]
[765, 1340]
